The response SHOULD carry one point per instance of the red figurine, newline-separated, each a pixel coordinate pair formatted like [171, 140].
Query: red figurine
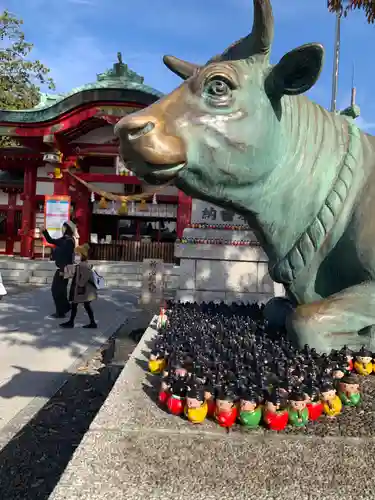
[165, 387]
[314, 405]
[275, 416]
[176, 401]
[210, 400]
[226, 411]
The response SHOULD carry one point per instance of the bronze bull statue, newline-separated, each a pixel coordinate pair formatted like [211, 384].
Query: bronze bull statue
[240, 133]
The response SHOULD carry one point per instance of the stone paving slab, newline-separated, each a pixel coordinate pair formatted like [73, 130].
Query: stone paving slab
[36, 355]
[160, 465]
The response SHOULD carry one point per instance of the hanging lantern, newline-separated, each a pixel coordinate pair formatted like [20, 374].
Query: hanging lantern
[103, 203]
[154, 200]
[92, 197]
[143, 206]
[57, 173]
[123, 210]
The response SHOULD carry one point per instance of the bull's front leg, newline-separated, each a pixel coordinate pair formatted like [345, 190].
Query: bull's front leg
[332, 322]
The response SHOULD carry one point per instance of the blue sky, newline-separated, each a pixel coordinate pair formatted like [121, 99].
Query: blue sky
[79, 38]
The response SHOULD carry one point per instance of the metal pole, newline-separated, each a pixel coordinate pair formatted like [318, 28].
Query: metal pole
[336, 60]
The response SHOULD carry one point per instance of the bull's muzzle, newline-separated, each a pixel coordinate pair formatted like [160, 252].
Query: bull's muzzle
[145, 137]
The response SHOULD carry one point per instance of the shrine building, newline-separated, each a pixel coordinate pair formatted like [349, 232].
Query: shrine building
[75, 131]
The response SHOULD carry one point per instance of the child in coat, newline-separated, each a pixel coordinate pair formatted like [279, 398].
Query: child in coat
[82, 290]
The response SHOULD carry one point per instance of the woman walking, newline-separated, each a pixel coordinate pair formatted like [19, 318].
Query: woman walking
[82, 290]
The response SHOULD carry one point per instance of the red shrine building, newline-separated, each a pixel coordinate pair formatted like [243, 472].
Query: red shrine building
[75, 131]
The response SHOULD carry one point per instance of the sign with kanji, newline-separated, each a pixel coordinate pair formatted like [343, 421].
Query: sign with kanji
[206, 213]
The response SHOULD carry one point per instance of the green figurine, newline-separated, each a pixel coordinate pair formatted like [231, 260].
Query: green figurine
[348, 391]
[298, 412]
[250, 412]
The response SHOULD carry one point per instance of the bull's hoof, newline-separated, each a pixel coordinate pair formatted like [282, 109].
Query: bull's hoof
[301, 332]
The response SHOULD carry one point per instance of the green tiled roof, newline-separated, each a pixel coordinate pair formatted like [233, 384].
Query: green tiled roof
[117, 84]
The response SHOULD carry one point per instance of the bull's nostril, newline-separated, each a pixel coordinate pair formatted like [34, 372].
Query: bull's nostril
[140, 131]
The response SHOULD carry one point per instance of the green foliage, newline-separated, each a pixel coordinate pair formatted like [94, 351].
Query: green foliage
[19, 76]
[344, 6]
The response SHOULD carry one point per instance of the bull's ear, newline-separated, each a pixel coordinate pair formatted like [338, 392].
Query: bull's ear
[296, 72]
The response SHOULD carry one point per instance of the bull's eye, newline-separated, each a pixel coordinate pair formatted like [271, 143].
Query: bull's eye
[217, 89]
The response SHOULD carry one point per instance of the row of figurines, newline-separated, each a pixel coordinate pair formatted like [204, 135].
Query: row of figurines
[182, 394]
[362, 363]
[276, 410]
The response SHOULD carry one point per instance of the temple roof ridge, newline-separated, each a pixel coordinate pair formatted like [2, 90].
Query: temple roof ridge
[119, 77]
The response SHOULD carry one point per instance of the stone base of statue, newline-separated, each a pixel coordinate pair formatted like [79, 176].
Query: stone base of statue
[223, 265]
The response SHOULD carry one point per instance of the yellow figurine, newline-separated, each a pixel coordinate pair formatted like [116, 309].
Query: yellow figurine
[363, 362]
[157, 363]
[196, 407]
[332, 404]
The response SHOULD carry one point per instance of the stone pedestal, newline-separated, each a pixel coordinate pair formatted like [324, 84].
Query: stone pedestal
[232, 269]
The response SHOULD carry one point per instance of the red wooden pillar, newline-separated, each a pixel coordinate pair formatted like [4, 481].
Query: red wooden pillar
[83, 213]
[12, 201]
[28, 211]
[183, 213]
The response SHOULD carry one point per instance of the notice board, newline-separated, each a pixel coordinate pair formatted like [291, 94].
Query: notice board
[56, 212]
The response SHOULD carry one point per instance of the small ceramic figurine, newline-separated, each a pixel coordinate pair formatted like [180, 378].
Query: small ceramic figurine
[363, 362]
[176, 401]
[274, 415]
[348, 354]
[211, 403]
[250, 413]
[162, 319]
[332, 405]
[196, 406]
[348, 391]
[165, 387]
[157, 362]
[314, 404]
[226, 411]
[298, 412]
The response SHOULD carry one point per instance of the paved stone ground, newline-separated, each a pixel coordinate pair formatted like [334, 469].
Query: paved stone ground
[135, 450]
[36, 355]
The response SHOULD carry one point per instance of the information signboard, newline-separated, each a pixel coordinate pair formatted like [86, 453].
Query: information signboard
[56, 212]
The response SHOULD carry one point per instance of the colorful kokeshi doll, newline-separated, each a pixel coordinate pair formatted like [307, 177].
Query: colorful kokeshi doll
[195, 406]
[176, 401]
[210, 399]
[250, 412]
[275, 416]
[348, 355]
[162, 321]
[332, 405]
[363, 362]
[165, 387]
[157, 362]
[298, 412]
[348, 391]
[313, 403]
[226, 411]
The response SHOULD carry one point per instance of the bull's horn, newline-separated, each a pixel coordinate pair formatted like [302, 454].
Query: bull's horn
[181, 68]
[259, 41]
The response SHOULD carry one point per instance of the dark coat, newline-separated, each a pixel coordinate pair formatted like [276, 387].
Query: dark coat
[63, 254]
[82, 288]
